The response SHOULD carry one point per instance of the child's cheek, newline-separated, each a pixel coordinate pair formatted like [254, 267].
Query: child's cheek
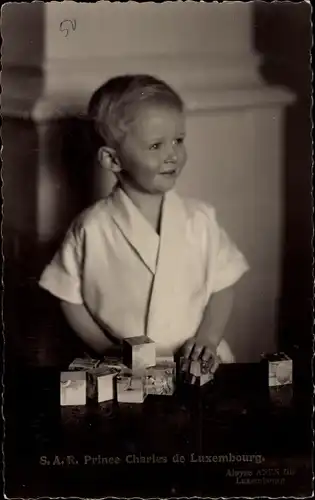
[153, 164]
[183, 157]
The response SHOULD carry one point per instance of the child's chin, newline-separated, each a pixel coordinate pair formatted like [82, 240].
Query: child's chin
[167, 184]
[159, 190]
[165, 189]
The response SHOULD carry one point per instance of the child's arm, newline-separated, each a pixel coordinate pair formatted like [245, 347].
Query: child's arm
[212, 326]
[85, 327]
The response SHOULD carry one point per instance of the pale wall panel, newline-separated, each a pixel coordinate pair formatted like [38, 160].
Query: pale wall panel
[118, 29]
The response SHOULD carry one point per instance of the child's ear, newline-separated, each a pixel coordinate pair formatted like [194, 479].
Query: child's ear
[108, 159]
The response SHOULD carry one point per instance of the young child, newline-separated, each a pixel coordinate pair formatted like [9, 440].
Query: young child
[145, 261]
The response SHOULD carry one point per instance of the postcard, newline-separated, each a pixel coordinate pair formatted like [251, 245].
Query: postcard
[157, 243]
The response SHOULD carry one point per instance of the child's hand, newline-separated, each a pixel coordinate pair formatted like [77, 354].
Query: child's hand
[196, 349]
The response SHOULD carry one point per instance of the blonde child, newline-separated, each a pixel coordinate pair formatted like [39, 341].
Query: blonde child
[145, 261]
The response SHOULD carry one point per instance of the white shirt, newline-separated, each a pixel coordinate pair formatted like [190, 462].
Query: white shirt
[135, 282]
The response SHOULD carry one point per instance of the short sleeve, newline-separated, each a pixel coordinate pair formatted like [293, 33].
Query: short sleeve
[62, 276]
[226, 263]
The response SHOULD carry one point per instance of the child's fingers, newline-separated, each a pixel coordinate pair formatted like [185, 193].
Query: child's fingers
[197, 351]
[185, 365]
[207, 354]
[188, 347]
[215, 364]
[193, 379]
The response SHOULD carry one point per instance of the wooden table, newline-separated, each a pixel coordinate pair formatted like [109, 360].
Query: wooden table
[197, 442]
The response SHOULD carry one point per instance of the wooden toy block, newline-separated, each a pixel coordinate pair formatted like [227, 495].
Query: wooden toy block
[73, 388]
[205, 378]
[202, 371]
[160, 379]
[83, 364]
[105, 380]
[113, 363]
[199, 369]
[280, 368]
[164, 359]
[130, 388]
[139, 353]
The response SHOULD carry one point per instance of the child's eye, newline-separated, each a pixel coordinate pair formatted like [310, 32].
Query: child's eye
[155, 146]
[180, 140]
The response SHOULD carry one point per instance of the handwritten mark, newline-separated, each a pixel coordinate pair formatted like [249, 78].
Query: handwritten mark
[67, 25]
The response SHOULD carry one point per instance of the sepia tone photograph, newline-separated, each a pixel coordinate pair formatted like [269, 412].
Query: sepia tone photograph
[157, 244]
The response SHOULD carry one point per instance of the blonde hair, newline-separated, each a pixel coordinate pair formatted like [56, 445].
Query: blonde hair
[114, 105]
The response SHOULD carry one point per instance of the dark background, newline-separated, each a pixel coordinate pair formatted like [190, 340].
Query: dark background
[277, 32]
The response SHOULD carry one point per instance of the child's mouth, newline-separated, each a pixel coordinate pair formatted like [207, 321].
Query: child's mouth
[169, 173]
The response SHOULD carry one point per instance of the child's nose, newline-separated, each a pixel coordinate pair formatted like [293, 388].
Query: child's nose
[171, 155]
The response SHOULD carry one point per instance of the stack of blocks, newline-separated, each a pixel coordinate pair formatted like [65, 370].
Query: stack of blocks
[149, 374]
[139, 374]
[139, 353]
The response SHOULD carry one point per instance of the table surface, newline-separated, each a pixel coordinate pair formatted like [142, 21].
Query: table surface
[198, 442]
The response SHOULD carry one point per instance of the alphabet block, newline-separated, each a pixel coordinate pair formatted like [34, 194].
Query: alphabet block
[202, 370]
[114, 363]
[73, 388]
[84, 364]
[130, 388]
[160, 379]
[105, 383]
[139, 353]
[164, 359]
[280, 369]
[204, 379]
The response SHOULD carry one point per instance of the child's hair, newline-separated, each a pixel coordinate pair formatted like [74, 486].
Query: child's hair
[113, 105]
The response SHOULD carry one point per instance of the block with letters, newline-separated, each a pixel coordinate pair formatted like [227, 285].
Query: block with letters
[204, 379]
[139, 353]
[199, 367]
[73, 388]
[201, 370]
[164, 358]
[87, 364]
[280, 368]
[114, 363]
[130, 388]
[105, 383]
[160, 379]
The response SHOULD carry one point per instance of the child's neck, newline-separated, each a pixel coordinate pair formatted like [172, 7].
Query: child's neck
[150, 205]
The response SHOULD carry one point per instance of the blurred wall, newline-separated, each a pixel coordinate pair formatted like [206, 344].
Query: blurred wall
[235, 139]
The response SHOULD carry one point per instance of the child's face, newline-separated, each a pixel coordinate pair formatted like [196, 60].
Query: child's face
[153, 153]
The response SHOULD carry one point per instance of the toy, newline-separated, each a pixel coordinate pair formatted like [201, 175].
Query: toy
[130, 388]
[200, 370]
[204, 379]
[73, 388]
[84, 364]
[114, 363]
[199, 367]
[164, 359]
[160, 379]
[280, 368]
[105, 382]
[139, 353]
